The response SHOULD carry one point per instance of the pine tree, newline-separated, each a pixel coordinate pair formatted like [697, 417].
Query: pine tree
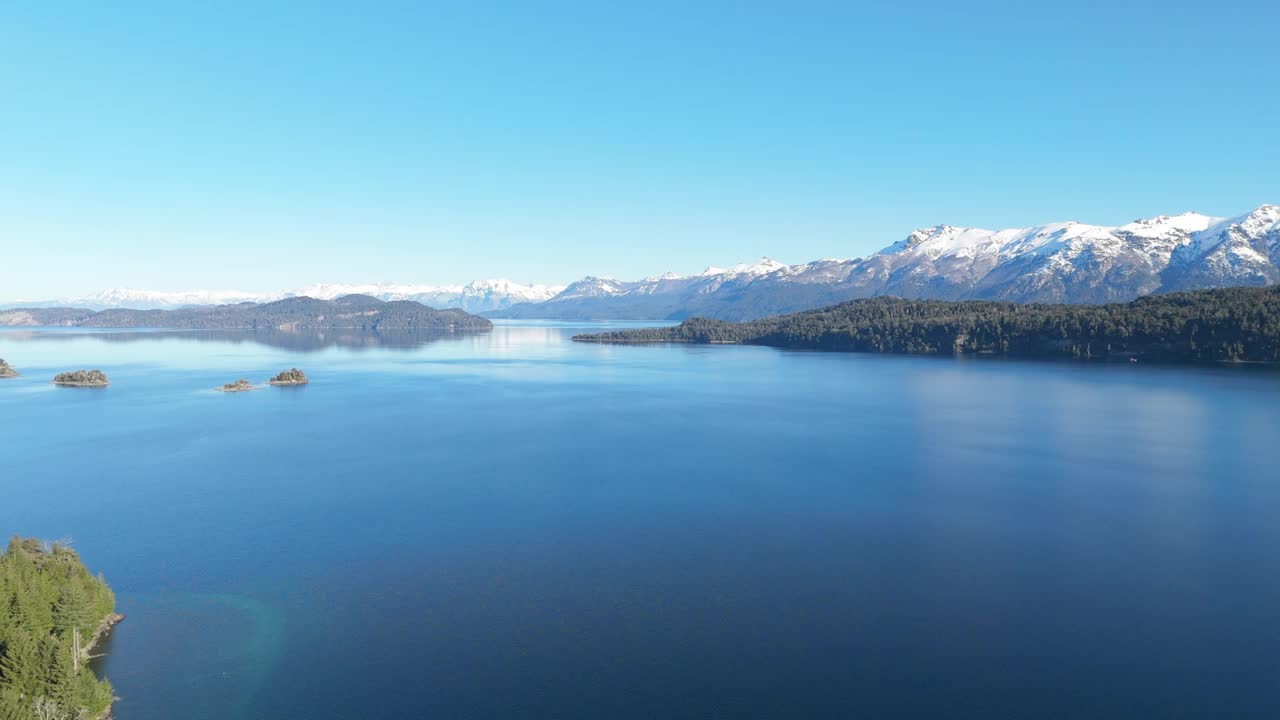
[47, 597]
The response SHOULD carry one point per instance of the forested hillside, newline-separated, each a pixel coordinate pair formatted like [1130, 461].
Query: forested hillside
[351, 312]
[1233, 324]
[48, 602]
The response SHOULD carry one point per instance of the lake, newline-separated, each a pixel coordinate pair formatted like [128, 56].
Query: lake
[512, 525]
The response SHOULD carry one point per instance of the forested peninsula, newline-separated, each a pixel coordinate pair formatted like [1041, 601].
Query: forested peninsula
[1231, 324]
[52, 612]
[350, 312]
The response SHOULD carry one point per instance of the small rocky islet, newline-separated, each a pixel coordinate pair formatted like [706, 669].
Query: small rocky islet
[292, 376]
[240, 385]
[81, 378]
[97, 378]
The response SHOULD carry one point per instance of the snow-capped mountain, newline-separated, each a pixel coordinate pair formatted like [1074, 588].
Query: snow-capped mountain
[1240, 251]
[1059, 262]
[707, 281]
[477, 296]
[152, 299]
[648, 299]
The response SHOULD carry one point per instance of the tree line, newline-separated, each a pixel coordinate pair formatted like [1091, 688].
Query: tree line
[51, 608]
[1231, 324]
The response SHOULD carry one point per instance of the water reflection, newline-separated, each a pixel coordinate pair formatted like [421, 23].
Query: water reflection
[298, 341]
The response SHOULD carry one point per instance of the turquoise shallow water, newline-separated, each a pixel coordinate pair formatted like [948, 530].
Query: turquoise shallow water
[514, 525]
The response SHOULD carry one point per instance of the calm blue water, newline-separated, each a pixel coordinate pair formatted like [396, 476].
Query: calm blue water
[512, 525]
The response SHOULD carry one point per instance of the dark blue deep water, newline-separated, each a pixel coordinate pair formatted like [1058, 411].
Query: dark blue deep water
[511, 525]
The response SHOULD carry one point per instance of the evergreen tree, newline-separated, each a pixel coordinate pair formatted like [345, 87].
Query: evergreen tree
[1231, 325]
[46, 598]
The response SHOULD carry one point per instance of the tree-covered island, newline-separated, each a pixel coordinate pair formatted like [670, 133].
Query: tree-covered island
[54, 612]
[81, 378]
[1227, 325]
[6, 371]
[292, 376]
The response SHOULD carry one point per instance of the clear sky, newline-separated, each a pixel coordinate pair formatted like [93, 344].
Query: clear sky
[262, 146]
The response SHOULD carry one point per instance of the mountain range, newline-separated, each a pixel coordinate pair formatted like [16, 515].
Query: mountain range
[474, 297]
[1065, 262]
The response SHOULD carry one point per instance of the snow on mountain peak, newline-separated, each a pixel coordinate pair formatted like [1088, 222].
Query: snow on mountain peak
[591, 286]
[476, 296]
[151, 299]
[1189, 222]
[763, 266]
[664, 276]
[382, 291]
[1265, 219]
[516, 291]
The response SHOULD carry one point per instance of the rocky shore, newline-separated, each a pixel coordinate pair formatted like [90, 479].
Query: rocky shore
[104, 627]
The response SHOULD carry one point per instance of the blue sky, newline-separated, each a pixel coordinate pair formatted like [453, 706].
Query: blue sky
[261, 146]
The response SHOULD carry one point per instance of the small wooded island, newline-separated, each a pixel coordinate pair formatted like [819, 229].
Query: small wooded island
[6, 371]
[292, 376]
[55, 612]
[240, 385]
[81, 378]
[1227, 325]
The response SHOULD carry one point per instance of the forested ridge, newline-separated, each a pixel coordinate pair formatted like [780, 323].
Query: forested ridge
[48, 602]
[349, 312]
[1231, 324]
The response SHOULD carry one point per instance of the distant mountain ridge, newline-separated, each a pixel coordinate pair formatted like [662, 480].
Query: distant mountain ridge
[349, 312]
[1066, 262]
[475, 296]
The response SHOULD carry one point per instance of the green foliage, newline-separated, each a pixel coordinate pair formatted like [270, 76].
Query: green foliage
[1232, 324]
[292, 376]
[46, 595]
[81, 377]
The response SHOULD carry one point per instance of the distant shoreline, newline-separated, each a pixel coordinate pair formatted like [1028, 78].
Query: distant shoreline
[1234, 326]
[349, 312]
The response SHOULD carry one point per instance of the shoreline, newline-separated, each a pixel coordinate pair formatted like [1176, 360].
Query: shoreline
[104, 627]
[1114, 358]
[80, 384]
